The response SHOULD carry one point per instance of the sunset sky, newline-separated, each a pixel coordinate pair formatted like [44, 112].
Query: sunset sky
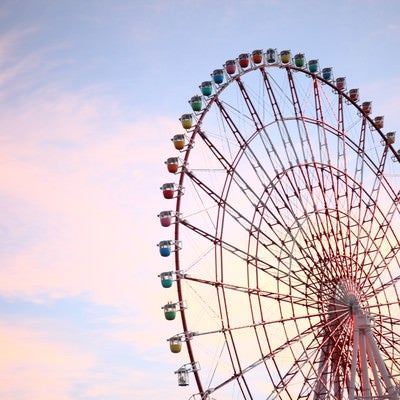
[90, 95]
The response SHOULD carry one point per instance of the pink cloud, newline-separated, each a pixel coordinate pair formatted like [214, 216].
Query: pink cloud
[79, 190]
[37, 367]
[92, 195]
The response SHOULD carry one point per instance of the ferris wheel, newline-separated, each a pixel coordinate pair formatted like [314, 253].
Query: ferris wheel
[282, 223]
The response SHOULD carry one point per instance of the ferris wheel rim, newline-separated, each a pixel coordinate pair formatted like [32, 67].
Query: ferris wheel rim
[185, 171]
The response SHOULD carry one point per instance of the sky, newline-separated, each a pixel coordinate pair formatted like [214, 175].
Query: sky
[90, 94]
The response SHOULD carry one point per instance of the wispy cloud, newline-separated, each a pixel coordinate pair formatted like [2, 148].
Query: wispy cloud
[82, 201]
[34, 365]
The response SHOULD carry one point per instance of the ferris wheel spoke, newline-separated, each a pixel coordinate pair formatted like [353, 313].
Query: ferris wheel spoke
[258, 124]
[385, 225]
[262, 130]
[259, 263]
[324, 220]
[284, 247]
[301, 120]
[256, 324]
[384, 340]
[335, 366]
[361, 154]
[375, 246]
[232, 249]
[288, 298]
[368, 223]
[238, 218]
[385, 319]
[265, 358]
[360, 167]
[302, 362]
[299, 264]
[230, 169]
[293, 192]
[281, 126]
[378, 264]
[320, 358]
[343, 142]
[298, 112]
[324, 153]
[317, 233]
[342, 164]
[214, 150]
[288, 275]
[390, 283]
[235, 250]
[241, 141]
[246, 147]
[375, 269]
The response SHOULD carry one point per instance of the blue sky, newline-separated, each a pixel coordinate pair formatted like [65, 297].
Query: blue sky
[91, 93]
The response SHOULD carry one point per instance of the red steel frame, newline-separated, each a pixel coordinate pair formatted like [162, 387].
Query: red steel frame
[333, 364]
